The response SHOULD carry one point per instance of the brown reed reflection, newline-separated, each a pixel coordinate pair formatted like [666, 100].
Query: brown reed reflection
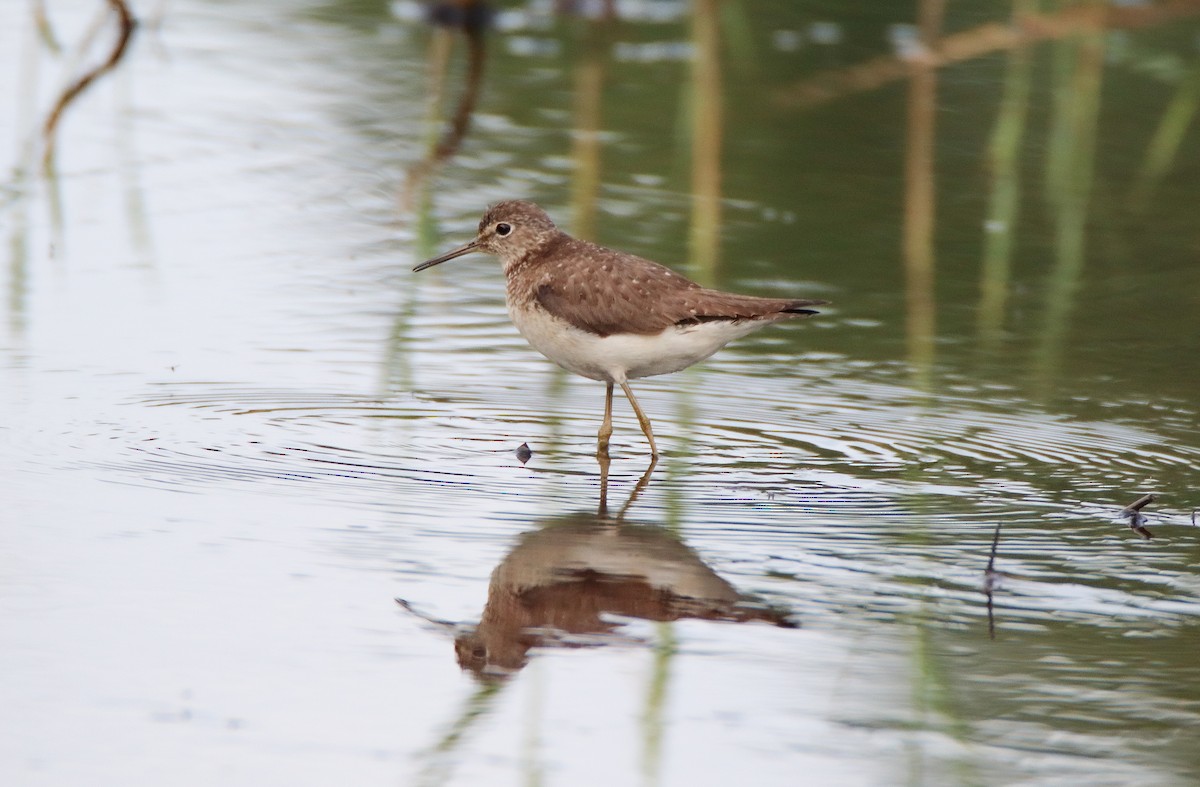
[706, 134]
[560, 586]
[470, 18]
[920, 200]
[980, 41]
[126, 25]
[590, 73]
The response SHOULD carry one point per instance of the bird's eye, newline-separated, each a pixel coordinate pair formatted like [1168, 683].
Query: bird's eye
[503, 229]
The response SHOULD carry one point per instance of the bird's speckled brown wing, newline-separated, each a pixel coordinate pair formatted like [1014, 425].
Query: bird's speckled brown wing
[604, 291]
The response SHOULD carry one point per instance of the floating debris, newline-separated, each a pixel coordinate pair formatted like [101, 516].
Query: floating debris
[1137, 520]
[1139, 504]
[524, 453]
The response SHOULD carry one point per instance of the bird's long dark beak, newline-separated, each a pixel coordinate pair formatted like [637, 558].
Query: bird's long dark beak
[460, 251]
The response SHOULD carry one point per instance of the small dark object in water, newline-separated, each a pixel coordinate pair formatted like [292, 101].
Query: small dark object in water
[524, 453]
[1137, 520]
[991, 580]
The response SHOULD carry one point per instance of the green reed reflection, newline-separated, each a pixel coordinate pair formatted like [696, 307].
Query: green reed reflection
[706, 135]
[1078, 75]
[590, 74]
[1004, 158]
[441, 758]
[1168, 137]
[653, 716]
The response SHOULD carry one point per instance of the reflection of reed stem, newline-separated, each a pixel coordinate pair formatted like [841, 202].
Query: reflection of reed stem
[531, 761]
[18, 266]
[44, 28]
[441, 47]
[130, 174]
[652, 720]
[397, 370]
[936, 706]
[1079, 100]
[1004, 156]
[127, 24]
[1058, 146]
[705, 233]
[920, 198]
[439, 760]
[1167, 137]
[585, 145]
[460, 121]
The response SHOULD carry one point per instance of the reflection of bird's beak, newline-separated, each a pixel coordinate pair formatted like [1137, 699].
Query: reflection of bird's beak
[460, 251]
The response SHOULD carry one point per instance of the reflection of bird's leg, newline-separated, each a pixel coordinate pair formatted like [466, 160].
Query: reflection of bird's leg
[602, 458]
[605, 427]
[642, 483]
[642, 419]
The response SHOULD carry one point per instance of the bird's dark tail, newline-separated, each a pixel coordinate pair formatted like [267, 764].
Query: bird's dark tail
[801, 307]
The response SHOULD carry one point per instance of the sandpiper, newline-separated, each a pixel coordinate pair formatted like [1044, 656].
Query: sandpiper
[608, 315]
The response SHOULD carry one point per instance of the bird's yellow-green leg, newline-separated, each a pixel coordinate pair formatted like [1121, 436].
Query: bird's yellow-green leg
[642, 419]
[606, 429]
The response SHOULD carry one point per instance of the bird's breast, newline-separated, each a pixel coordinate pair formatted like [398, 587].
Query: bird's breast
[621, 356]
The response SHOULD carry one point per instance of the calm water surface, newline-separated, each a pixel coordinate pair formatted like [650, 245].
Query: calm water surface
[236, 426]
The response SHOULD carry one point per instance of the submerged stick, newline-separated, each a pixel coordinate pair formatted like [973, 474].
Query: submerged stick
[127, 25]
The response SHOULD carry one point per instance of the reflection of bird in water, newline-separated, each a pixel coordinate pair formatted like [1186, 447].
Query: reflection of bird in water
[560, 583]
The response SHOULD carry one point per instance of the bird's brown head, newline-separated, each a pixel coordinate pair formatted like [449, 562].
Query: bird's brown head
[510, 230]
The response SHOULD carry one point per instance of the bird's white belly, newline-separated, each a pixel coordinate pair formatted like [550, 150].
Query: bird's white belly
[628, 356]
